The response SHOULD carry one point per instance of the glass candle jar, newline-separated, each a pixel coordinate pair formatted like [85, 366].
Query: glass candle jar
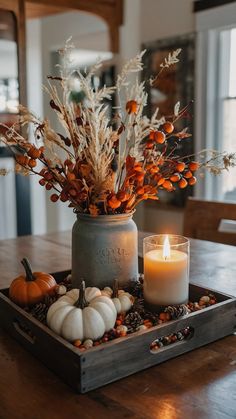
[166, 270]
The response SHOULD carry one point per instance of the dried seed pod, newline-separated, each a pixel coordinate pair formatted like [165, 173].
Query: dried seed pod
[161, 181]
[168, 127]
[150, 145]
[22, 160]
[132, 106]
[32, 163]
[34, 152]
[140, 190]
[113, 202]
[54, 197]
[159, 137]
[42, 182]
[182, 183]
[71, 176]
[193, 166]
[192, 181]
[188, 174]
[168, 185]
[122, 196]
[180, 166]
[48, 186]
[54, 106]
[175, 177]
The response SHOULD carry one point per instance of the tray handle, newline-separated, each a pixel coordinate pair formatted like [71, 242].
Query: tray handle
[24, 331]
[171, 340]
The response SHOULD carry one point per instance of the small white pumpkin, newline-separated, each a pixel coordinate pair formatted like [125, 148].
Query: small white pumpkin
[107, 291]
[122, 300]
[82, 314]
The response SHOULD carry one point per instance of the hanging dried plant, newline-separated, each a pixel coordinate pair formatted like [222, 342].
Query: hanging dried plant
[103, 166]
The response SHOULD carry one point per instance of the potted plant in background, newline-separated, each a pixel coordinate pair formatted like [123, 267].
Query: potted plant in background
[104, 168]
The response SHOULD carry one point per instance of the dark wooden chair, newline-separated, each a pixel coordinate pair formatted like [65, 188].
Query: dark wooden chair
[203, 220]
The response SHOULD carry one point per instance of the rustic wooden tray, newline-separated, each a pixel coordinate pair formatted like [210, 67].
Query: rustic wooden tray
[108, 362]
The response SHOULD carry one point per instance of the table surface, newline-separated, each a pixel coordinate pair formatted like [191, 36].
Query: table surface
[200, 384]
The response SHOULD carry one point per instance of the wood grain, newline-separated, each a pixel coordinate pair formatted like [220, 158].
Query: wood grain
[37, 10]
[85, 371]
[133, 353]
[109, 10]
[199, 384]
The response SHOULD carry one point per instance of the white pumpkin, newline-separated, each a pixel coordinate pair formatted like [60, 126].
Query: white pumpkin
[122, 300]
[82, 314]
[107, 291]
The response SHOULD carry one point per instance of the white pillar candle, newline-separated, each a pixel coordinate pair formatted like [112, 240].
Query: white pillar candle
[166, 279]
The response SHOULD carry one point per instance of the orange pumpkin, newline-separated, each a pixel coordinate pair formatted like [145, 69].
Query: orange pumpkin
[31, 288]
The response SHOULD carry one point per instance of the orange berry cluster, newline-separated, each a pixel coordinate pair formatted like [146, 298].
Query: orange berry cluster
[134, 188]
[182, 176]
[29, 159]
[159, 136]
[139, 180]
[68, 177]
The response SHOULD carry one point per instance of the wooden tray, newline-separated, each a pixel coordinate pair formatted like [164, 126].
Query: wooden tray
[108, 362]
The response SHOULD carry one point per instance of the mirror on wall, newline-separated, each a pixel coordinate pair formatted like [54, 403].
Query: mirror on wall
[9, 85]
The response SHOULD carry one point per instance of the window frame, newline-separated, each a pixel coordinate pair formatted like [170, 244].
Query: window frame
[209, 87]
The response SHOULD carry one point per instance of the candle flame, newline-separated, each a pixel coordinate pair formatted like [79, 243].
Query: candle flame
[166, 248]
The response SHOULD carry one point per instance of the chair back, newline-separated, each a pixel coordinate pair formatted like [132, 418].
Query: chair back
[210, 220]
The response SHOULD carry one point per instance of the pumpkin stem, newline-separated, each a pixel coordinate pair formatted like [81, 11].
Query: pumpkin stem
[115, 288]
[28, 270]
[81, 302]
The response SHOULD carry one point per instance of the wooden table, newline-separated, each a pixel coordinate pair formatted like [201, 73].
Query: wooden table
[197, 385]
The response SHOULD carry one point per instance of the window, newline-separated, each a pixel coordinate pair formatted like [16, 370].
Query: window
[228, 130]
[215, 94]
[225, 112]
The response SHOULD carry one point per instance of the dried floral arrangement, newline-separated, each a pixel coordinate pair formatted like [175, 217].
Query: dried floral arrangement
[103, 166]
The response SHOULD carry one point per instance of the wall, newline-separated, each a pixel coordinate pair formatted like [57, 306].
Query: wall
[166, 18]
[8, 226]
[8, 53]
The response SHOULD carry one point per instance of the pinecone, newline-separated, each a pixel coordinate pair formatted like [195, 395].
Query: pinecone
[177, 311]
[133, 321]
[49, 300]
[135, 288]
[138, 307]
[39, 311]
[153, 317]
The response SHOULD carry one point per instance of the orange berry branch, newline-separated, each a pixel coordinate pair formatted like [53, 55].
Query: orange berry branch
[103, 166]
